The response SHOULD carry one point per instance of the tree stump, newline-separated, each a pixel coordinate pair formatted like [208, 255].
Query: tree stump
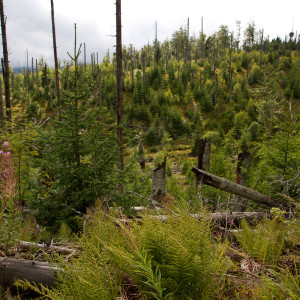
[244, 161]
[203, 157]
[159, 183]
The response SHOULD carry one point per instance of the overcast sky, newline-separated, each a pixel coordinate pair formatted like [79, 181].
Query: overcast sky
[29, 22]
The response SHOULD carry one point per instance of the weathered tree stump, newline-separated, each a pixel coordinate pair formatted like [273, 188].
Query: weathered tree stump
[203, 157]
[244, 161]
[159, 183]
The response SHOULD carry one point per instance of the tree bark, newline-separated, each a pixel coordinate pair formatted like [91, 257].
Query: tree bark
[100, 86]
[244, 161]
[13, 269]
[159, 183]
[55, 59]
[2, 119]
[32, 72]
[261, 48]
[23, 245]
[6, 64]
[230, 71]
[203, 157]
[231, 187]
[119, 84]
[143, 58]
[37, 77]
[84, 54]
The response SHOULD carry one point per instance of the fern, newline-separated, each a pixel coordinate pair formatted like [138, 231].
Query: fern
[165, 260]
[265, 241]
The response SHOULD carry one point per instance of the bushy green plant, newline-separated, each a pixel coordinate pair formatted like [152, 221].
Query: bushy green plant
[164, 260]
[77, 157]
[184, 253]
[265, 241]
[278, 284]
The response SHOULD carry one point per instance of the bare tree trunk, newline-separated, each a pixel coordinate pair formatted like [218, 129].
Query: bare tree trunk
[84, 50]
[37, 77]
[100, 87]
[132, 66]
[2, 119]
[261, 48]
[167, 58]
[231, 187]
[119, 84]
[55, 59]
[230, 72]
[32, 72]
[202, 40]
[187, 42]
[6, 64]
[143, 66]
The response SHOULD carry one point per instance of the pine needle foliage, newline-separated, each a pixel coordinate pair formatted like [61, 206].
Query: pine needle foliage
[77, 157]
[265, 241]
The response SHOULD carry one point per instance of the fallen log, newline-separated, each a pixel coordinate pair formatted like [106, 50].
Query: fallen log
[12, 269]
[23, 245]
[234, 188]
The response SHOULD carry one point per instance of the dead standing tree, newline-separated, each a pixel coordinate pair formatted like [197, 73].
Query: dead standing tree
[55, 58]
[2, 118]
[119, 84]
[5, 64]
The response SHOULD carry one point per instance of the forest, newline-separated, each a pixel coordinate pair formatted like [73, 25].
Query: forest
[166, 172]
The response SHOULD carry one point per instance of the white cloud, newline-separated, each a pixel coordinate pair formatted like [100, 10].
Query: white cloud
[29, 22]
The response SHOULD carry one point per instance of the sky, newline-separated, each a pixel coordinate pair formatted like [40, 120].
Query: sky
[29, 23]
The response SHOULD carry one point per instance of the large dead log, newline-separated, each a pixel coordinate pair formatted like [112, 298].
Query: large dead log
[23, 245]
[12, 269]
[217, 217]
[236, 189]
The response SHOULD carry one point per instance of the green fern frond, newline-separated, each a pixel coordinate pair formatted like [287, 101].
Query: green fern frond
[264, 241]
